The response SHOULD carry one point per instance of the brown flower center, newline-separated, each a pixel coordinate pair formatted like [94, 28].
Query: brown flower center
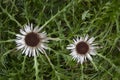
[32, 39]
[82, 48]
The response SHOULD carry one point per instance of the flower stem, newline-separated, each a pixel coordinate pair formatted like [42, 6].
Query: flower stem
[49, 61]
[10, 16]
[52, 65]
[6, 41]
[23, 64]
[36, 64]
[59, 12]
[82, 74]
[93, 63]
[107, 60]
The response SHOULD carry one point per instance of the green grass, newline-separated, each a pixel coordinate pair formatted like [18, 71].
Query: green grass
[63, 19]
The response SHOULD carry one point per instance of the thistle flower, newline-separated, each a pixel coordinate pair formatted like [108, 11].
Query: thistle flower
[82, 48]
[31, 41]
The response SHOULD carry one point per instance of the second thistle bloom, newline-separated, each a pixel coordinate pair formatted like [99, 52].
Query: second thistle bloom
[31, 41]
[82, 48]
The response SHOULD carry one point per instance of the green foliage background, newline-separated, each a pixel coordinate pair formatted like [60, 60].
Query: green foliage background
[63, 19]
